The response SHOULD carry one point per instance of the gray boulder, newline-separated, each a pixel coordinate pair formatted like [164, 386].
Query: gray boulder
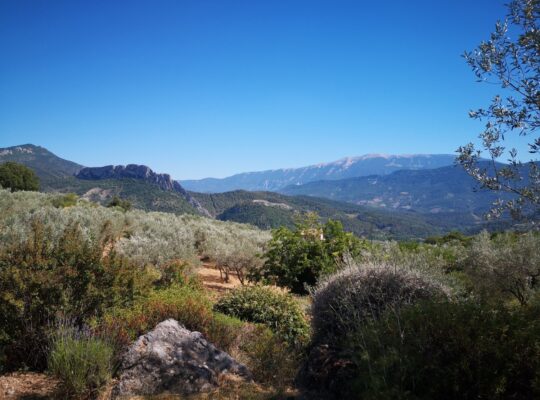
[173, 360]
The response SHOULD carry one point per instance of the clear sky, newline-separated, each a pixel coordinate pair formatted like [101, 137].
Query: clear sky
[210, 88]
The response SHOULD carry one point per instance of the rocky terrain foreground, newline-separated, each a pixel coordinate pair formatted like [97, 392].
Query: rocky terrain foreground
[173, 360]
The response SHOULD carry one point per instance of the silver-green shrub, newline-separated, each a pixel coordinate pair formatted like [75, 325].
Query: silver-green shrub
[345, 301]
[144, 237]
[505, 266]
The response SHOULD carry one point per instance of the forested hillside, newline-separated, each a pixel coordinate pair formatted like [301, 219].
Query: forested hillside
[446, 189]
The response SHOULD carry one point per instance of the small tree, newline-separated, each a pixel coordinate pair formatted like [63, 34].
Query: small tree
[511, 59]
[297, 258]
[16, 177]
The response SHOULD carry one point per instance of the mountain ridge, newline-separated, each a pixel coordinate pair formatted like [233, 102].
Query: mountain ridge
[140, 172]
[347, 167]
[152, 191]
[138, 183]
[444, 189]
[45, 164]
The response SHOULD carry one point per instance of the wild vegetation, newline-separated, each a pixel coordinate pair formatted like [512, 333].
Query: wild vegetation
[325, 305]
[277, 310]
[15, 176]
[79, 282]
[298, 258]
[81, 260]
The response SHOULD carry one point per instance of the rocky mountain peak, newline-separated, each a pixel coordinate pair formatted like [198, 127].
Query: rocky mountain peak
[140, 172]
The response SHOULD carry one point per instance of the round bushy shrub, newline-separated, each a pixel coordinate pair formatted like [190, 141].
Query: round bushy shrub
[344, 301]
[259, 304]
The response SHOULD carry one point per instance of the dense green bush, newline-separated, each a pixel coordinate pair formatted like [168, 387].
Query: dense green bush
[15, 176]
[298, 258]
[278, 311]
[42, 278]
[446, 351]
[347, 300]
[83, 362]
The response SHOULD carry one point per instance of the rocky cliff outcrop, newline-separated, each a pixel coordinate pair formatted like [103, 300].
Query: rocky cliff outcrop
[140, 172]
[173, 360]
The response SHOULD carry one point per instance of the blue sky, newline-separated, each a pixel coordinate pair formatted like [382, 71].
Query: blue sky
[210, 88]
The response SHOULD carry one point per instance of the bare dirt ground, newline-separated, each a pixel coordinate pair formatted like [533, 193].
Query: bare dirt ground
[214, 282]
[27, 386]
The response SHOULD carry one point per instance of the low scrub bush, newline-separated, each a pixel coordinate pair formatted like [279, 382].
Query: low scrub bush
[278, 311]
[345, 301]
[66, 200]
[186, 304]
[446, 351]
[83, 362]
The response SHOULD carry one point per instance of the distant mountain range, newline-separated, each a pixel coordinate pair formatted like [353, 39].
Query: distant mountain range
[404, 204]
[351, 167]
[447, 189]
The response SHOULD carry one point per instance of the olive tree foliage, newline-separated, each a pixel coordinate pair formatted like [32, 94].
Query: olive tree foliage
[146, 238]
[505, 266]
[510, 59]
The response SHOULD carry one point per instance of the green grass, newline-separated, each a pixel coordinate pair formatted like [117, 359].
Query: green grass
[83, 363]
